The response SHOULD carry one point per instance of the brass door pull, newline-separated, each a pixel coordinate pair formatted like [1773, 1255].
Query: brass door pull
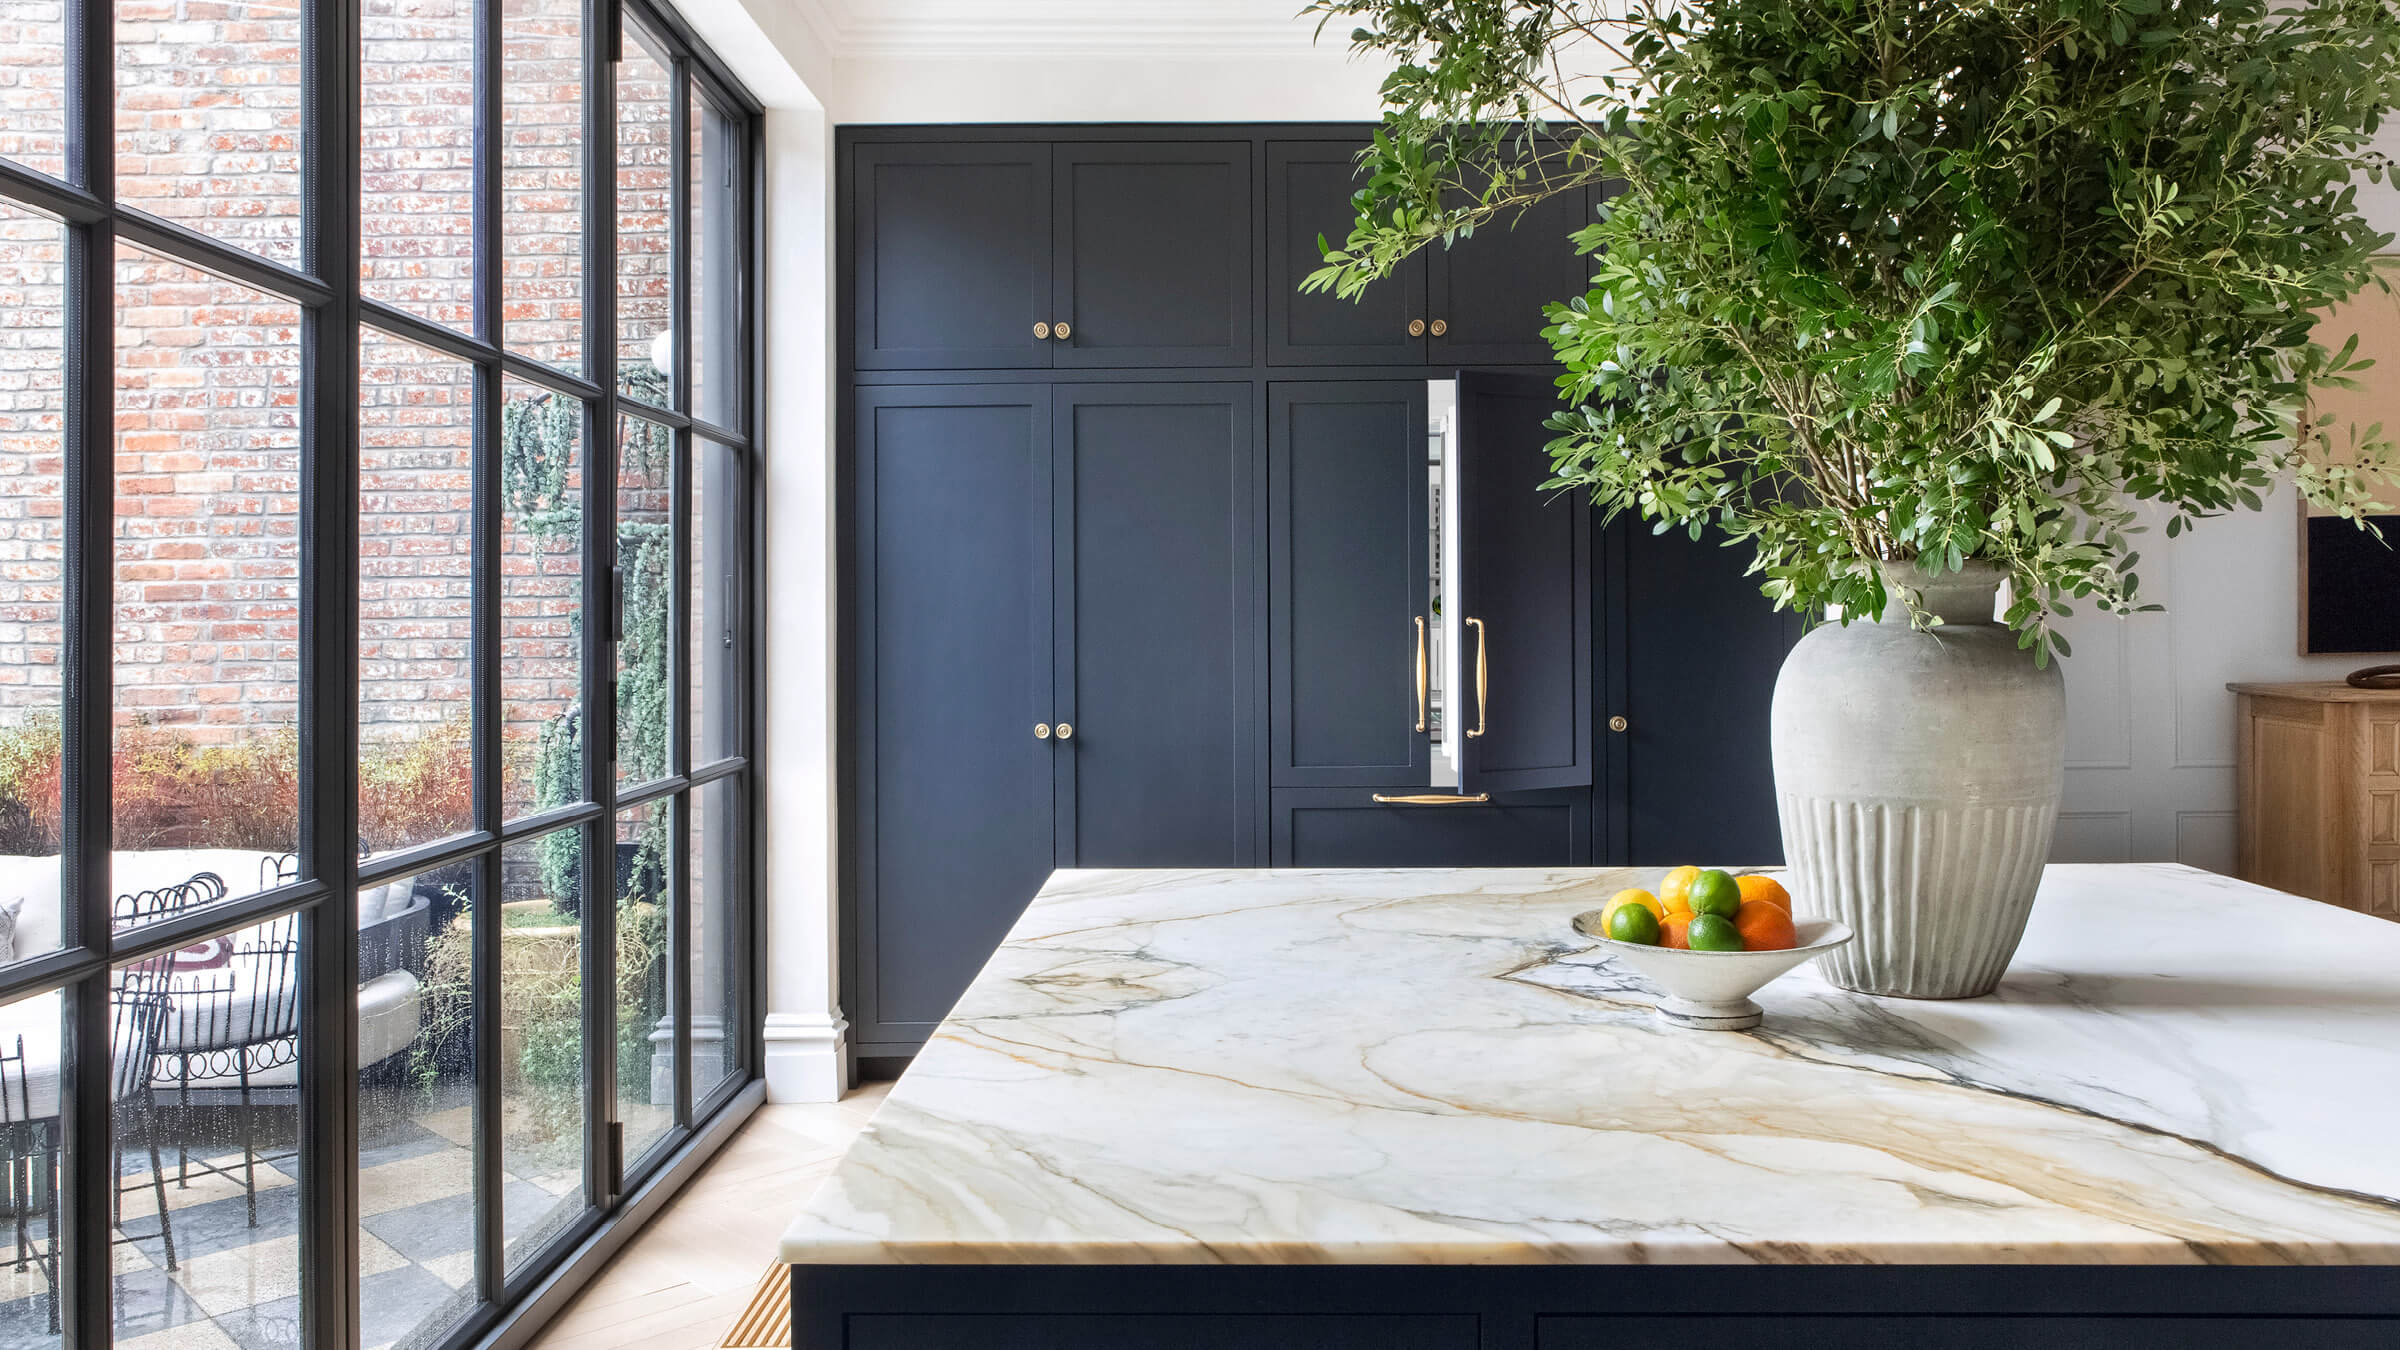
[1440, 326]
[1424, 673]
[1416, 328]
[1431, 799]
[1618, 723]
[1060, 330]
[1041, 731]
[1041, 330]
[1065, 731]
[1483, 676]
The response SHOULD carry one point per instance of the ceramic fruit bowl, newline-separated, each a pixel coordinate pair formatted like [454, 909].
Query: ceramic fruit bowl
[1712, 990]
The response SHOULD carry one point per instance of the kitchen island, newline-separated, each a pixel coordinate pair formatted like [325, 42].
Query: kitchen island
[1416, 1108]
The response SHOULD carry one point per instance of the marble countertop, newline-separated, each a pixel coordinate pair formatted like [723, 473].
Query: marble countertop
[1433, 1067]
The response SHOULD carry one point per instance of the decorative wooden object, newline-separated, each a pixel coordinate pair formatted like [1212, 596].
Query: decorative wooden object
[2319, 769]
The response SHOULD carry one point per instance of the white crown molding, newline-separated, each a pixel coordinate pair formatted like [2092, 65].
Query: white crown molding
[853, 29]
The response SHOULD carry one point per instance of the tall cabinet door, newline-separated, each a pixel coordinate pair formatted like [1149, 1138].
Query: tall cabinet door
[1157, 601]
[1489, 290]
[952, 671]
[1153, 261]
[951, 253]
[1309, 185]
[1524, 580]
[1350, 626]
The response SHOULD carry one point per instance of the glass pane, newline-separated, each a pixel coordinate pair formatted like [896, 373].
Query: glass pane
[645, 203]
[207, 772]
[417, 157]
[715, 607]
[34, 1150]
[205, 1042]
[646, 557]
[541, 599]
[208, 118]
[33, 88]
[716, 235]
[541, 1039]
[541, 180]
[720, 953]
[416, 560]
[645, 1003]
[32, 580]
[416, 1105]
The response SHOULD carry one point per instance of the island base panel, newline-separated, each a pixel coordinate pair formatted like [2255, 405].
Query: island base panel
[1672, 1307]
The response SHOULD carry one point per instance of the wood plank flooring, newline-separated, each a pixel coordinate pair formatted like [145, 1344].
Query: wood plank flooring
[685, 1278]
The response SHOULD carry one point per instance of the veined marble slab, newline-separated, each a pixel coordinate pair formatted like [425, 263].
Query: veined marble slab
[1433, 1067]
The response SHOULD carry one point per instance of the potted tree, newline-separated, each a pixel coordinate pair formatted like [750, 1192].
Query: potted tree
[1925, 303]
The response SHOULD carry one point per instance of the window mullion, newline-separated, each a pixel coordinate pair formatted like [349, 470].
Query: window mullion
[601, 602]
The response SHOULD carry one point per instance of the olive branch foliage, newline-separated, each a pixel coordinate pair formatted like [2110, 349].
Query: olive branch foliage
[1937, 280]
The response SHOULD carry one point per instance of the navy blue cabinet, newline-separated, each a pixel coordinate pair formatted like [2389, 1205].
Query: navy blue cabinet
[1152, 254]
[949, 256]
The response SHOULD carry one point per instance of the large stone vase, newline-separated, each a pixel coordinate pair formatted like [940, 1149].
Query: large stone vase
[1918, 777]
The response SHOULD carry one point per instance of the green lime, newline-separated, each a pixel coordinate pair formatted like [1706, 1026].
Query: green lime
[1634, 923]
[1715, 892]
[1714, 933]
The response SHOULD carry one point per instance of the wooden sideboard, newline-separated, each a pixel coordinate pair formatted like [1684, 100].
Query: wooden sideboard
[2319, 770]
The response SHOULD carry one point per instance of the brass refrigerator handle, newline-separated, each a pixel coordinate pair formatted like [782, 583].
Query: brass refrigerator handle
[1483, 676]
[1424, 673]
[1431, 799]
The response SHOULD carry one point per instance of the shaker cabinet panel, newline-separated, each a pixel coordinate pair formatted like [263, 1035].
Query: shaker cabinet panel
[1347, 827]
[950, 255]
[1309, 184]
[1348, 583]
[1153, 254]
[1156, 603]
[950, 672]
[1489, 288]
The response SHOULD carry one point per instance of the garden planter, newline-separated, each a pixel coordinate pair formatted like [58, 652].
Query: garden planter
[1918, 777]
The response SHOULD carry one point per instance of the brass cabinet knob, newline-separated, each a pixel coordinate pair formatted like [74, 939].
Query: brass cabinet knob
[1416, 328]
[1440, 326]
[1041, 330]
[1064, 731]
[1041, 731]
[1060, 330]
[1617, 724]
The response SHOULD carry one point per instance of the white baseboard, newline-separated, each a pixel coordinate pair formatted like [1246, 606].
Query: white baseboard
[808, 1059]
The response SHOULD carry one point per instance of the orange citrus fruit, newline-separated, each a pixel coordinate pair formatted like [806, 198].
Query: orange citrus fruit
[1674, 889]
[1764, 927]
[1754, 886]
[1676, 931]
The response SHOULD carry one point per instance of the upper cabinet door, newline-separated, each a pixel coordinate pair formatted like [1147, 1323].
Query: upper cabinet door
[1309, 184]
[1153, 254]
[1351, 630]
[1524, 582]
[1489, 289]
[950, 246]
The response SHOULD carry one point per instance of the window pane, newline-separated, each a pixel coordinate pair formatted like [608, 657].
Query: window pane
[33, 1275]
[715, 607]
[417, 157]
[717, 192]
[541, 1039]
[645, 1003]
[645, 203]
[720, 953]
[33, 84]
[416, 559]
[541, 599]
[208, 118]
[646, 556]
[207, 773]
[416, 1105]
[541, 179]
[206, 1041]
[32, 581]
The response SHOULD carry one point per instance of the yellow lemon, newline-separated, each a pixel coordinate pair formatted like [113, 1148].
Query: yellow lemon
[1621, 899]
[1675, 889]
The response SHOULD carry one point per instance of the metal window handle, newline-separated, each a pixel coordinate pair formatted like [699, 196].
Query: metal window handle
[1440, 326]
[1416, 328]
[1483, 676]
[1424, 673]
[1430, 799]
[1065, 731]
[1041, 731]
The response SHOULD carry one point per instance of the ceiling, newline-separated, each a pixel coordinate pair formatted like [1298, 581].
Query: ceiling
[951, 28]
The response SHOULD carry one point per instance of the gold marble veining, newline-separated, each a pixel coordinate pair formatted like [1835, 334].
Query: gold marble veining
[1432, 1067]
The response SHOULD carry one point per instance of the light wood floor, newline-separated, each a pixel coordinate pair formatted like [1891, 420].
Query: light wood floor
[686, 1276]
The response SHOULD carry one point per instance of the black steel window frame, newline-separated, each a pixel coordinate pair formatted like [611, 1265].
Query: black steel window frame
[326, 287]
